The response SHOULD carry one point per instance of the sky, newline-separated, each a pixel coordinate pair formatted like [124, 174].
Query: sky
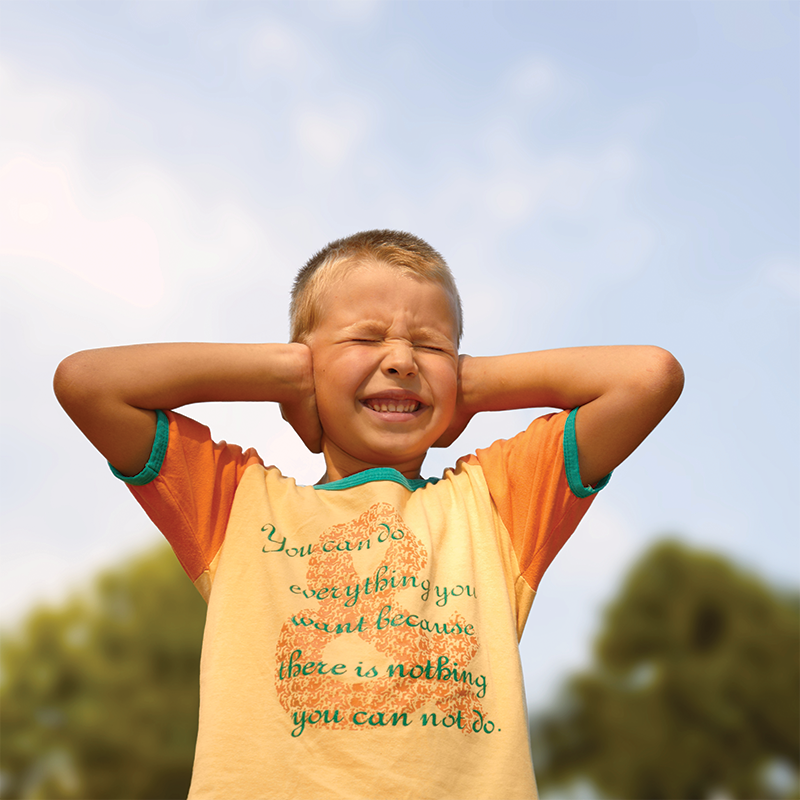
[594, 172]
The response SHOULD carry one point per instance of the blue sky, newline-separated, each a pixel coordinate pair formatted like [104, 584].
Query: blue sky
[595, 173]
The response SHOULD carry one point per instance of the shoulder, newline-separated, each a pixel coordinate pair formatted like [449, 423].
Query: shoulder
[185, 447]
[542, 439]
[545, 453]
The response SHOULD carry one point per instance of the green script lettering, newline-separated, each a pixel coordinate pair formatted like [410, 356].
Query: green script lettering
[329, 627]
[270, 531]
[387, 620]
[295, 667]
[442, 670]
[447, 721]
[303, 718]
[380, 719]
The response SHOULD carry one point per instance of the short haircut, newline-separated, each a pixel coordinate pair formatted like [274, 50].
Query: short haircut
[401, 251]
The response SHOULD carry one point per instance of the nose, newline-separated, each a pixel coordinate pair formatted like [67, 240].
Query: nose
[399, 360]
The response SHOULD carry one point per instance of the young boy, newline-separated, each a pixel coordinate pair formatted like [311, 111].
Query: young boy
[361, 638]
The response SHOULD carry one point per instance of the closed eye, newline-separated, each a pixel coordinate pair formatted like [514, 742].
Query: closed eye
[431, 347]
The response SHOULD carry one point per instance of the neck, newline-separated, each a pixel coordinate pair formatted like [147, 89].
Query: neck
[339, 464]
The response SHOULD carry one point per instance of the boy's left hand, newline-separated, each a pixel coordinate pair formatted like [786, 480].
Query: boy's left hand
[462, 414]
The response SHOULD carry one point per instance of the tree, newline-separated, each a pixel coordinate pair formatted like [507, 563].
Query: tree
[694, 690]
[99, 698]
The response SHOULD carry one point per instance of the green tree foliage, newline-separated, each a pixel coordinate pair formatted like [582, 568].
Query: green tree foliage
[99, 698]
[694, 691]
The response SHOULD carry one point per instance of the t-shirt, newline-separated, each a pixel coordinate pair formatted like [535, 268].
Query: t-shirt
[362, 635]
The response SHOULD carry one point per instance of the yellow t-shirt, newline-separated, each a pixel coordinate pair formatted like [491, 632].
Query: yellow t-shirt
[361, 638]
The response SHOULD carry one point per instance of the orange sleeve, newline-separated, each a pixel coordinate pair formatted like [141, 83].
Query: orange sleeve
[190, 497]
[527, 479]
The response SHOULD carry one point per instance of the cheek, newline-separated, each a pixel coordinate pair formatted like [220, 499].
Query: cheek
[447, 383]
[336, 384]
[327, 396]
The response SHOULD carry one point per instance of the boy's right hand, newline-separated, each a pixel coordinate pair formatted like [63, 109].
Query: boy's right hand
[301, 412]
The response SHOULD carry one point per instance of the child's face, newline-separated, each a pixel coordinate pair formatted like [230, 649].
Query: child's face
[385, 370]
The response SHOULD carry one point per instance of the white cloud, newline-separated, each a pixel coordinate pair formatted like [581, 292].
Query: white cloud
[122, 221]
[41, 218]
[533, 81]
[757, 27]
[783, 272]
[160, 15]
[510, 198]
[38, 113]
[578, 184]
[523, 178]
[574, 204]
[330, 137]
[48, 210]
[352, 11]
[275, 45]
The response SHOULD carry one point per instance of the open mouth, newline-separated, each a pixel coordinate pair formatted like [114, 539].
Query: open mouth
[395, 406]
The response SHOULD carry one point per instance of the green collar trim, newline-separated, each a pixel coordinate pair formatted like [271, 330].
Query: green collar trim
[571, 461]
[376, 474]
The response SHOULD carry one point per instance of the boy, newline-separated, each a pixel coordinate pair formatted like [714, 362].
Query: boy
[361, 638]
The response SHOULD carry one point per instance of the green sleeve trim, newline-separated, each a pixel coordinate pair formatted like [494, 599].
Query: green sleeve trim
[376, 474]
[153, 466]
[571, 461]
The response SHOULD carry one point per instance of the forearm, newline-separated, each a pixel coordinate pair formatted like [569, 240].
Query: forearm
[158, 376]
[563, 378]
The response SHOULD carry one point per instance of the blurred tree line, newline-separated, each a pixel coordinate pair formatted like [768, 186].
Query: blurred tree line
[694, 690]
[693, 693]
[99, 698]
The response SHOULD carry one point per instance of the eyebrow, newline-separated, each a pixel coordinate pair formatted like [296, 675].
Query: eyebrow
[372, 327]
[375, 328]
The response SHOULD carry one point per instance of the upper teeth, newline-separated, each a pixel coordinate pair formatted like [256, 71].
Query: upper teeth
[393, 405]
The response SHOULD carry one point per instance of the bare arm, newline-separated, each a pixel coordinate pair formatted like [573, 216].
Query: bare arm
[624, 392]
[112, 394]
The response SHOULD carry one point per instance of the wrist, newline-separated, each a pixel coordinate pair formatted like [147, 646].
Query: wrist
[299, 378]
[470, 385]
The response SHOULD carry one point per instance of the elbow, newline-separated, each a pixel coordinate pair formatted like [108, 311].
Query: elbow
[663, 375]
[72, 382]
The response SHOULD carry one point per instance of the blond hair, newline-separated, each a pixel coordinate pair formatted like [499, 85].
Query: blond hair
[401, 251]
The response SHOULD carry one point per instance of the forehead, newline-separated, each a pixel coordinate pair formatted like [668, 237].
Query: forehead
[373, 294]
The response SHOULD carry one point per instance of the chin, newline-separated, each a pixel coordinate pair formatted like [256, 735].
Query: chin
[395, 460]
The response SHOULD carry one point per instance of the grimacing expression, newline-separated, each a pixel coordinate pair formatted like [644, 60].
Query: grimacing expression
[385, 369]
